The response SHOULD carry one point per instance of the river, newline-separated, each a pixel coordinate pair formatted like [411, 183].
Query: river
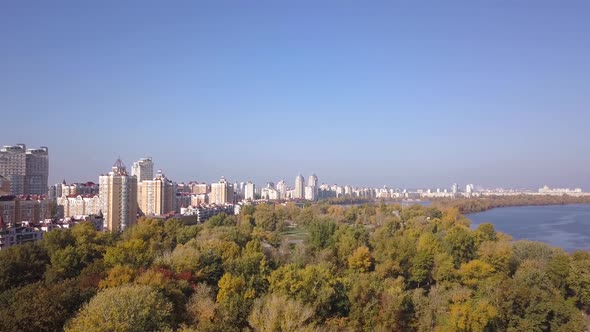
[565, 226]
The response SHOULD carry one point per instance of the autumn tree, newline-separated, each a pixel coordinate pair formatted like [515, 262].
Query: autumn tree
[124, 308]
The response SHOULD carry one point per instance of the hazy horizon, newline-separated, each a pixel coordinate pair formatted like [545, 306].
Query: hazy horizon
[404, 95]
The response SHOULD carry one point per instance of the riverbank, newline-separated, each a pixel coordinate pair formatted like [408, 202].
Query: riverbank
[480, 204]
[565, 226]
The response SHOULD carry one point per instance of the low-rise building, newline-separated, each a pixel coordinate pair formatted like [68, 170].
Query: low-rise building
[18, 234]
[205, 212]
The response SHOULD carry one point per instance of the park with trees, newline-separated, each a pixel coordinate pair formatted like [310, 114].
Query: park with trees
[323, 267]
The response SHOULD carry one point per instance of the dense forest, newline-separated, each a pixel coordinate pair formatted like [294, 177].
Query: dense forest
[478, 204]
[371, 267]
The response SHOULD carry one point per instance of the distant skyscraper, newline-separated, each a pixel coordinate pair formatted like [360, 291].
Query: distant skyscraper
[27, 170]
[118, 194]
[143, 169]
[221, 192]
[157, 196]
[299, 187]
[313, 181]
[36, 179]
[282, 189]
[13, 166]
[455, 188]
[249, 190]
[310, 193]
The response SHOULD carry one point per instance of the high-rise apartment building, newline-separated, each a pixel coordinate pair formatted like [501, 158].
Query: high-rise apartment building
[299, 192]
[13, 166]
[157, 196]
[249, 190]
[221, 192]
[200, 188]
[118, 193]
[143, 169]
[310, 193]
[282, 189]
[313, 184]
[313, 181]
[37, 174]
[27, 170]
[4, 186]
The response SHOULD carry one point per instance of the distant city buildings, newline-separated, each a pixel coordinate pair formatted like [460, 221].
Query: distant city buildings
[156, 196]
[221, 192]
[455, 188]
[27, 170]
[28, 206]
[299, 192]
[282, 189]
[118, 193]
[559, 191]
[74, 206]
[143, 169]
[249, 191]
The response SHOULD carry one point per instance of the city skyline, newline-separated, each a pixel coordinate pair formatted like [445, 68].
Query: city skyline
[404, 95]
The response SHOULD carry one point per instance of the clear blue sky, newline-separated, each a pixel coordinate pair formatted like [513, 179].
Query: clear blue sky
[403, 93]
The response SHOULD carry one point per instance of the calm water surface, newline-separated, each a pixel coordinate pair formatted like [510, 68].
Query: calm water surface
[565, 226]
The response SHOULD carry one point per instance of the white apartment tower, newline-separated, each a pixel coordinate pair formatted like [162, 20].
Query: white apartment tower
[313, 181]
[143, 169]
[118, 194]
[221, 192]
[13, 166]
[249, 189]
[37, 171]
[299, 187]
[27, 170]
[156, 197]
[310, 193]
[282, 189]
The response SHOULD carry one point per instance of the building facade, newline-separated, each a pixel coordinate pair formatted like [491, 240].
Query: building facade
[222, 192]
[157, 196]
[27, 170]
[143, 169]
[299, 192]
[37, 171]
[74, 206]
[13, 166]
[4, 186]
[249, 191]
[118, 194]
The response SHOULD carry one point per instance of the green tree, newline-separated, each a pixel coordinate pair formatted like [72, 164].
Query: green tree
[360, 260]
[421, 267]
[124, 308]
[57, 239]
[314, 285]
[578, 279]
[134, 252]
[320, 234]
[41, 307]
[266, 218]
[22, 264]
[461, 244]
[65, 263]
[234, 300]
